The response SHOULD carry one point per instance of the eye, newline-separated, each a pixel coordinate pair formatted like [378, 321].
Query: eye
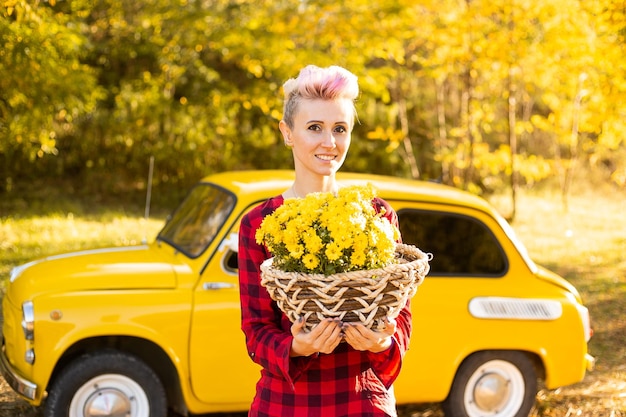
[315, 127]
[341, 129]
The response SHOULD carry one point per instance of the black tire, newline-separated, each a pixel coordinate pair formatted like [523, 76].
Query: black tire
[493, 384]
[108, 383]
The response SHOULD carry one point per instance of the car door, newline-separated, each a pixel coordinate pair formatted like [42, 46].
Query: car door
[222, 373]
[467, 260]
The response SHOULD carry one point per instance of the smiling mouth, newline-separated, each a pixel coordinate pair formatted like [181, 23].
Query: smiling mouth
[326, 157]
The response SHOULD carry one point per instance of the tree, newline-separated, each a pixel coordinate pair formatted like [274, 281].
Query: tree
[44, 88]
[482, 95]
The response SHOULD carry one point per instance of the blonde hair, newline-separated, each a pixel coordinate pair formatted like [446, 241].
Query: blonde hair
[313, 82]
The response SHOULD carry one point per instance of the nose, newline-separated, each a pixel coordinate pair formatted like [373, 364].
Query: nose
[329, 140]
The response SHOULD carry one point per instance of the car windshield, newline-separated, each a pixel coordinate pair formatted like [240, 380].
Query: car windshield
[196, 222]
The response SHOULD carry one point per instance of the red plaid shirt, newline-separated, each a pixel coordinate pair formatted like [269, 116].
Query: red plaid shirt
[344, 383]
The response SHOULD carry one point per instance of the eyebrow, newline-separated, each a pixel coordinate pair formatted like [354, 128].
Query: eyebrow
[322, 122]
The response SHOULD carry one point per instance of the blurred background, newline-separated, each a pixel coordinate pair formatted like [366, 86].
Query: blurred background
[484, 95]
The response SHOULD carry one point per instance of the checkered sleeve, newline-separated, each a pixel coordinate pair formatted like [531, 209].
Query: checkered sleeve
[387, 364]
[267, 330]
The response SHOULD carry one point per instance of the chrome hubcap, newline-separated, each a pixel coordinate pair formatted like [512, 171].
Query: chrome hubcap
[492, 392]
[107, 402]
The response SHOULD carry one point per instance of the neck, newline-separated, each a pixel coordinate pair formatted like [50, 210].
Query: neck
[302, 187]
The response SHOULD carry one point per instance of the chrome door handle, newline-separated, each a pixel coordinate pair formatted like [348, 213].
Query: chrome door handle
[217, 285]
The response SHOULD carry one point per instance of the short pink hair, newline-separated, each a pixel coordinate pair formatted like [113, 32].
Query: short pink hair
[331, 83]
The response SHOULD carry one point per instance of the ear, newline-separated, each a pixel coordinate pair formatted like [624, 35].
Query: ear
[286, 131]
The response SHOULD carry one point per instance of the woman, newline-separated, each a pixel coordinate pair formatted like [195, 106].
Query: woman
[313, 373]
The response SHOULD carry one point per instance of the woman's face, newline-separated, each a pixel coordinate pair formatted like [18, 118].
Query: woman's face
[320, 137]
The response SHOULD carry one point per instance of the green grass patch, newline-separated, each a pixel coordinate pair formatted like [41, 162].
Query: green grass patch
[25, 238]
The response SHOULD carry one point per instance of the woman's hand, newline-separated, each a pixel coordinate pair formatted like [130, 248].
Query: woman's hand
[362, 338]
[323, 338]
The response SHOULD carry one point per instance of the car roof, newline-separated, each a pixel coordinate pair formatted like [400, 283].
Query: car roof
[262, 184]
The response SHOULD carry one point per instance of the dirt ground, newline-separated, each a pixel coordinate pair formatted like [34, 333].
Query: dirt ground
[11, 405]
[597, 396]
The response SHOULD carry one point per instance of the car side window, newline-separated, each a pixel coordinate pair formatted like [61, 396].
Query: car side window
[198, 219]
[461, 245]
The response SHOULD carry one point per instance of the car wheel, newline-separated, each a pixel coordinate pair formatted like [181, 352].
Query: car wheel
[107, 383]
[493, 384]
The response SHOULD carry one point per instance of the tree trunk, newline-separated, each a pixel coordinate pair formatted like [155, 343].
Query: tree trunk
[513, 145]
[406, 140]
[468, 140]
[442, 143]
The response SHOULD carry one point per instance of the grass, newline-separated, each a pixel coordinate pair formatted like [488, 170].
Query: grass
[28, 238]
[584, 244]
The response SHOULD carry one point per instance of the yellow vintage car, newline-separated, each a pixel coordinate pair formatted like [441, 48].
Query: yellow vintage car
[142, 331]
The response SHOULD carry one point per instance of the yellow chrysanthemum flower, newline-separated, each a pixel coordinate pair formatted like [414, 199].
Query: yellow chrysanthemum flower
[295, 251]
[312, 242]
[310, 261]
[324, 233]
[333, 251]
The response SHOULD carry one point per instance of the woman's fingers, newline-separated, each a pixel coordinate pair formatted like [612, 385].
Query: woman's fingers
[390, 326]
[297, 326]
[363, 338]
[323, 338]
[327, 335]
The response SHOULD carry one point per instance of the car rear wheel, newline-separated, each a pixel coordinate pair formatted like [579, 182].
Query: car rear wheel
[493, 384]
[106, 384]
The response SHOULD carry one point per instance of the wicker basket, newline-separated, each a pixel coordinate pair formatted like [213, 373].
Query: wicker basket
[367, 296]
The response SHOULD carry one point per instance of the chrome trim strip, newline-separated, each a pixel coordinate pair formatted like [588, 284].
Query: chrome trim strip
[515, 308]
[217, 285]
[590, 362]
[28, 320]
[19, 384]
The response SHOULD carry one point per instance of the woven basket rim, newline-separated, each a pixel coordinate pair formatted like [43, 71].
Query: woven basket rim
[378, 293]
[421, 258]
